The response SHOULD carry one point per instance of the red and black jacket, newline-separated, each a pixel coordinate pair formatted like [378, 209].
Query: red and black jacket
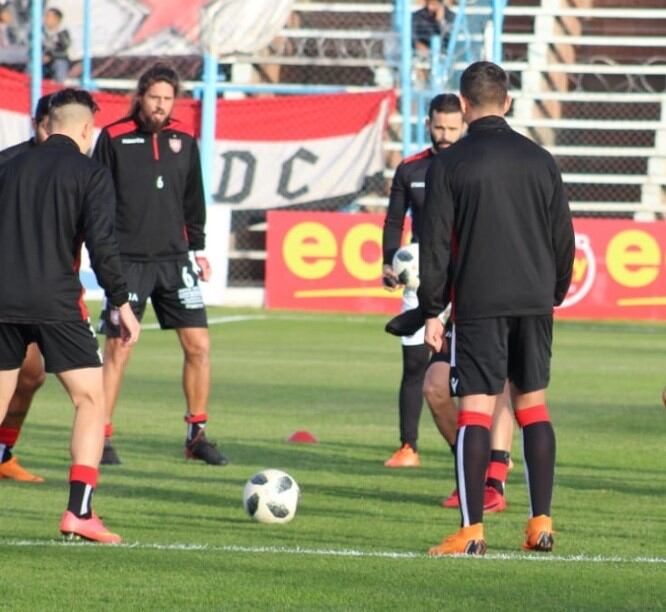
[407, 194]
[161, 210]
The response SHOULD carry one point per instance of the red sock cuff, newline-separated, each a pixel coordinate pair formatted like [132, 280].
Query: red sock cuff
[84, 473]
[533, 414]
[108, 430]
[196, 418]
[9, 435]
[497, 470]
[468, 417]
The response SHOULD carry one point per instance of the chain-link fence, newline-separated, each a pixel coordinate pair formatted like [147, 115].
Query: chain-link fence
[587, 83]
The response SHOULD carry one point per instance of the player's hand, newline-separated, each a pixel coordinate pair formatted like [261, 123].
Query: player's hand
[130, 327]
[434, 335]
[390, 278]
[204, 272]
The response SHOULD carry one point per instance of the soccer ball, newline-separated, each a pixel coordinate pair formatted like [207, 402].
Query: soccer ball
[271, 496]
[406, 265]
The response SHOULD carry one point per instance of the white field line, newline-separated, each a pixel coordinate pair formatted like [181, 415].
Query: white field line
[326, 552]
[273, 317]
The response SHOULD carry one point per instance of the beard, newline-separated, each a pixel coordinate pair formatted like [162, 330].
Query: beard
[156, 121]
[440, 145]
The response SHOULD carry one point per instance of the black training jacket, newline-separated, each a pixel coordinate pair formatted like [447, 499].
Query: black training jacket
[407, 194]
[52, 199]
[17, 149]
[496, 210]
[161, 209]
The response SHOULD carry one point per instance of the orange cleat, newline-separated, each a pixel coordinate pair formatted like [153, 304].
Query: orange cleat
[12, 470]
[91, 529]
[493, 500]
[405, 456]
[539, 534]
[466, 541]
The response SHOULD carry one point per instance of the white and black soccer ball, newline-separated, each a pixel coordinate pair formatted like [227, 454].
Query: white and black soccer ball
[406, 265]
[271, 496]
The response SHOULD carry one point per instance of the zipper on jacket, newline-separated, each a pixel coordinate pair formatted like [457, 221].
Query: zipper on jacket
[156, 148]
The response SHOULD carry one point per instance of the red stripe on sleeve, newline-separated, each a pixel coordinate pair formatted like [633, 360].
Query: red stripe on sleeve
[468, 417]
[533, 414]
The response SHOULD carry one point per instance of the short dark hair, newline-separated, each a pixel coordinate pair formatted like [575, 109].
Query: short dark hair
[42, 108]
[444, 103]
[484, 84]
[69, 95]
[57, 12]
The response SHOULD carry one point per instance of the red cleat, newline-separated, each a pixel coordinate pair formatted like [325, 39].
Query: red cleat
[452, 501]
[89, 529]
[493, 500]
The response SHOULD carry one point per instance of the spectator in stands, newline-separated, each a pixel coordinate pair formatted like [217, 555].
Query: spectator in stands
[56, 41]
[13, 45]
[7, 29]
[434, 19]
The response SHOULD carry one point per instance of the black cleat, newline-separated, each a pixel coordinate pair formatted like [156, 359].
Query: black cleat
[203, 450]
[109, 455]
[406, 323]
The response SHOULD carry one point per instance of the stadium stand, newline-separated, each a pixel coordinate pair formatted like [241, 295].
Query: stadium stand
[588, 82]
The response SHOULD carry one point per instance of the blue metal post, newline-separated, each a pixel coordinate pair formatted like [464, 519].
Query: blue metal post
[421, 97]
[498, 24]
[406, 74]
[208, 121]
[435, 65]
[86, 73]
[36, 16]
[449, 60]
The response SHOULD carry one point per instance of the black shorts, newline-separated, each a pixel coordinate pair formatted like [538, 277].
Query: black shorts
[173, 289]
[68, 345]
[485, 352]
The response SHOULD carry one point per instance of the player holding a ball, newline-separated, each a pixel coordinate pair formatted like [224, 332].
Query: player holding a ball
[445, 125]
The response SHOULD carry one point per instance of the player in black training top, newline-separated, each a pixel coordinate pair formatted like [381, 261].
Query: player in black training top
[497, 226]
[445, 125]
[53, 198]
[32, 375]
[161, 212]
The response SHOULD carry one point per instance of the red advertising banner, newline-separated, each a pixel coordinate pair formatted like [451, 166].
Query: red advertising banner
[326, 261]
[619, 271]
[333, 262]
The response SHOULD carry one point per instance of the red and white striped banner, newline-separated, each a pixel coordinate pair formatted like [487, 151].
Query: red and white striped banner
[274, 152]
[269, 152]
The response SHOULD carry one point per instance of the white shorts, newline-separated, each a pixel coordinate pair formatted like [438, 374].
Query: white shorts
[409, 301]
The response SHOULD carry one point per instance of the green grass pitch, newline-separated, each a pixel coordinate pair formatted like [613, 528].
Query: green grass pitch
[359, 538]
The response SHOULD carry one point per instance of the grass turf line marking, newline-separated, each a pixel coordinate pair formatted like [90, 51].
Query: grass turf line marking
[264, 317]
[321, 552]
[215, 320]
